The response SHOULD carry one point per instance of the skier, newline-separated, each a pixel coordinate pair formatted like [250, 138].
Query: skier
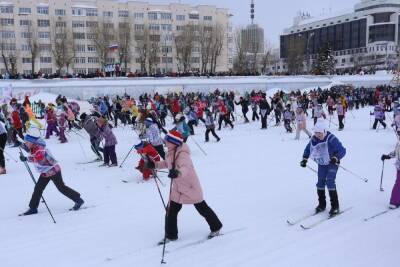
[3, 140]
[288, 117]
[146, 151]
[153, 135]
[318, 113]
[109, 144]
[245, 108]
[210, 126]
[301, 123]
[341, 111]
[327, 151]
[49, 169]
[186, 188]
[379, 113]
[395, 197]
[90, 126]
[265, 109]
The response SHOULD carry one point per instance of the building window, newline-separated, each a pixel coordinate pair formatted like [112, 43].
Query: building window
[7, 34]
[61, 24]
[7, 22]
[79, 71]
[123, 13]
[43, 23]
[93, 60]
[91, 48]
[26, 35]
[154, 27]
[91, 12]
[91, 36]
[78, 35]
[110, 60]
[59, 12]
[108, 14]
[166, 16]
[379, 33]
[26, 60]
[166, 27]
[193, 16]
[45, 47]
[180, 17]
[108, 25]
[138, 15]
[45, 59]
[46, 70]
[139, 27]
[195, 60]
[152, 15]
[79, 48]
[77, 12]
[208, 18]
[44, 35]
[166, 60]
[166, 49]
[80, 60]
[44, 10]
[6, 9]
[25, 47]
[92, 24]
[25, 22]
[343, 60]
[25, 10]
[180, 28]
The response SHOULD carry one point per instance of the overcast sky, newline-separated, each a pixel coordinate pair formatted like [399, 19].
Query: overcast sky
[273, 16]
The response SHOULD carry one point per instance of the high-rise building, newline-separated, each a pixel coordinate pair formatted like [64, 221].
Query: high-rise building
[367, 37]
[88, 35]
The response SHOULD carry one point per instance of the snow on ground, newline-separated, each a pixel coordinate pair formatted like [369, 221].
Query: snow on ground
[251, 179]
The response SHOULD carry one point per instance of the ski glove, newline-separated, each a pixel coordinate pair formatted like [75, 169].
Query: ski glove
[303, 163]
[150, 165]
[335, 161]
[173, 173]
[385, 157]
[23, 158]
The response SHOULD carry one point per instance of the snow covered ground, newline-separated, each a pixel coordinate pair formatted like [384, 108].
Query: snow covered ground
[251, 179]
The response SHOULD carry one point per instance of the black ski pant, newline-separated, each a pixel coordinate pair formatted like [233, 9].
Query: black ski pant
[245, 115]
[3, 140]
[277, 117]
[226, 119]
[376, 123]
[171, 224]
[58, 182]
[160, 150]
[255, 116]
[287, 126]
[190, 124]
[341, 124]
[212, 130]
[95, 145]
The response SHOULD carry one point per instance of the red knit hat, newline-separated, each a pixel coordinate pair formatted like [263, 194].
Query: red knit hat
[174, 137]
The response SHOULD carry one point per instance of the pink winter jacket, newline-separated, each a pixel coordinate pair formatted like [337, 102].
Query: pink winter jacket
[301, 121]
[186, 188]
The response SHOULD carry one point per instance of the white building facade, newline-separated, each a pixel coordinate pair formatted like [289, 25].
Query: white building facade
[19, 20]
[365, 38]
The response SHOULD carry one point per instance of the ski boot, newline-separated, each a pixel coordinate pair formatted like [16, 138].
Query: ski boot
[29, 212]
[78, 204]
[321, 201]
[334, 203]
[167, 240]
[213, 234]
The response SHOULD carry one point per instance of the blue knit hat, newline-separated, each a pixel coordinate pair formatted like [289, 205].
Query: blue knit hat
[174, 137]
[35, 140]
[139, 146]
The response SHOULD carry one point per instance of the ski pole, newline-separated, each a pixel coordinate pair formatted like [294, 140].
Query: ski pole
[127, 155]
[352, 173]
[34, 181]
[166, 222]
[158, 188]
[194, 140]
[311, 169]
[383, 166]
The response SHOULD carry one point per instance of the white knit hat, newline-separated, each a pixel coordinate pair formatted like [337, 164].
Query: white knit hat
[320, 126]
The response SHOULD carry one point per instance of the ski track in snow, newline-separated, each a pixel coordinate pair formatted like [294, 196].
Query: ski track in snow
[251, 179]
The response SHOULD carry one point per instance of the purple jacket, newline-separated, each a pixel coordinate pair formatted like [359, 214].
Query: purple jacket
[108, 135]
[379, 113]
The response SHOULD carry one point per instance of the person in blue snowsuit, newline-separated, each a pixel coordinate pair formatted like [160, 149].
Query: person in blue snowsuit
[327, 151]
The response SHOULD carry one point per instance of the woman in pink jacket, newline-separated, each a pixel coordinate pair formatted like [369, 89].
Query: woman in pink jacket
[186, 188]
[301, 123]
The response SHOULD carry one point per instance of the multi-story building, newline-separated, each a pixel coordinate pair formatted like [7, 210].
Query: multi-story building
[366, 37]
[89, 35]
[252, 38]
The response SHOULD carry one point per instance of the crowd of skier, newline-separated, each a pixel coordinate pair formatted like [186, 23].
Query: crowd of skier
[178, 116]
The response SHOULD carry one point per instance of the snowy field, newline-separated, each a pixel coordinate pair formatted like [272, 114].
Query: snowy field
[251, 179]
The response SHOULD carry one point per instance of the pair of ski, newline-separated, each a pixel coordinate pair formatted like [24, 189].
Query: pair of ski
[71, 209]
[316, 223]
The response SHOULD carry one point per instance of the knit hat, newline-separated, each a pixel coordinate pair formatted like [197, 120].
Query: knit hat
[320, 127]
[174, 137]
[148, 121]
[139, 146]
[34, 140]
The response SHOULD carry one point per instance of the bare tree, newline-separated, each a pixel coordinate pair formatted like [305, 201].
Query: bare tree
[62, 45]
[102, 38]
[8, 51]
[154, 51]
[33, 43]
[142, 47]
[184, 43]
[267, 57]
[240, 61]
[205, 41]
[218, 39]
[124, 43]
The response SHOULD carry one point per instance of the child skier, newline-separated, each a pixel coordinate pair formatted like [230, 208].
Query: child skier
[288, 117]
[147, 152]
[327, 151]
[110, 143]
[301, 123]
[49, 169]
[210, 126]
